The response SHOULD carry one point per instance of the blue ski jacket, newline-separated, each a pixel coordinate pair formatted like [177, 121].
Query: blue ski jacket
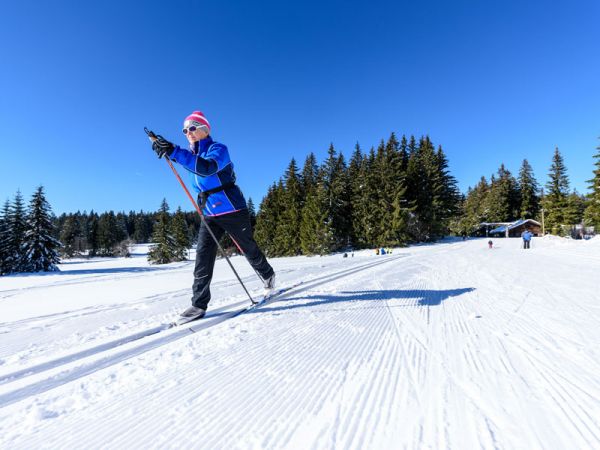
[526, 235]
[210, 167]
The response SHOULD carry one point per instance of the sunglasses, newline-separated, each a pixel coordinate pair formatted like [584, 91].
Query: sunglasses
[190, 129]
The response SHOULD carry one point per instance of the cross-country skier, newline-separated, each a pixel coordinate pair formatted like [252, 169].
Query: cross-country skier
[223, 206]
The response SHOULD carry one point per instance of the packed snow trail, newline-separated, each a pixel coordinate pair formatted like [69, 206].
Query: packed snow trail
[456, 346]
[216, 317]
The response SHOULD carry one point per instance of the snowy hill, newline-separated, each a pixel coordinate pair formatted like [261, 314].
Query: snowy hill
[450, 345]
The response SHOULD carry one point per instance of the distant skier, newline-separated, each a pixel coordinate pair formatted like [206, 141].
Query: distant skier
[223, 206]
[526, 235]
[490, 244]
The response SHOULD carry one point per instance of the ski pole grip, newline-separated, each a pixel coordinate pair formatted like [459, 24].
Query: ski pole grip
[150, 134]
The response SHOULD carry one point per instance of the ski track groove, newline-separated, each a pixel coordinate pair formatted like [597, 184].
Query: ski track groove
[249, 357]
[565, 400]
[179, 333]
[545, 368]
[406, 356]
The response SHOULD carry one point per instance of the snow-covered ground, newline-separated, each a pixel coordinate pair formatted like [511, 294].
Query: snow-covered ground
[450, 345]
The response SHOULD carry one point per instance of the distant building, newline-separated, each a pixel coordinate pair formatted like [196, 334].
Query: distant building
[485, 227]
[514, 229]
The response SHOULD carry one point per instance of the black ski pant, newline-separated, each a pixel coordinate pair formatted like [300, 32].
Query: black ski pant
[237, 224]
[526, 244]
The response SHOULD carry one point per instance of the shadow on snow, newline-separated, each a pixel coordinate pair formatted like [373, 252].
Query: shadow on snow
[393, 297]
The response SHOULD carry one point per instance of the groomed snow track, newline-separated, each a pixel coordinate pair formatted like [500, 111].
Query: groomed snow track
[72, 367]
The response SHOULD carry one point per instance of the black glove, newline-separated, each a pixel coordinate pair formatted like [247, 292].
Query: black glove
[162, 147]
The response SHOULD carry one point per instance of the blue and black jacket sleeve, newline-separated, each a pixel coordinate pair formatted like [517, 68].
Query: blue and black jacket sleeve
[215, 159]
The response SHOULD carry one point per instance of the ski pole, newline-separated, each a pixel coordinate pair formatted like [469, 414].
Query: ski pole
[153, 137]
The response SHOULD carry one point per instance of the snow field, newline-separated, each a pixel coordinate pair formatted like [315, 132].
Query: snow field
[442, 346]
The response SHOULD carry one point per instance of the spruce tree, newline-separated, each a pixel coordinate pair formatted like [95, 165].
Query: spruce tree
[68, 236]
[163, 250]
[15, 236]
[92, 234]
[268, 218]
[368, 210]
[316, 231]
[528, 187]
[181, 236]
[40, 248]
[121, 230]
[557, 192]
[592, 211]
[425, 179]
[503, 201]
[109, 234]
[356, 180]
[335, 184]
[142, 228]
[251, 212]
[449, 195]
[309, 173]
[574, 209]
[4, 238]
[393, 207]
[287, 233]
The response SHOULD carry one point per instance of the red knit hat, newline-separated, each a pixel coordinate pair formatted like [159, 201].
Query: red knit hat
[197, 118]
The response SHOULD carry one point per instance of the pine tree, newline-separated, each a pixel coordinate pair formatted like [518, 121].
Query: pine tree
[356, 182]
[121, 230]
[252, 212]
[287, 234]
[335, 184]
[109, 234]
[142, 228]
[574, 209]
[15, 236]
[163, 250]
[528, 187]
[68, 236]
[368, 210]
[448, 193]
[40, 248]
[4, 238]
[181, 236]
[426, 185]
[557, 191]
[316, 231]
[393, 207]
[92, 234]
[592, 211]
[268, 218]
[503, 202]
[309, 173]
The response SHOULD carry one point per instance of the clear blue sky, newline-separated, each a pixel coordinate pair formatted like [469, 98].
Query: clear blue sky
[491, 82]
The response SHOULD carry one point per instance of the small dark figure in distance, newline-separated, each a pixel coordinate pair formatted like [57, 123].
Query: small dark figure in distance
[490, 244]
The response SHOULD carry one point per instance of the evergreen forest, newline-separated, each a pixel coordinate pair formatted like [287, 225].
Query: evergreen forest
[398, 193]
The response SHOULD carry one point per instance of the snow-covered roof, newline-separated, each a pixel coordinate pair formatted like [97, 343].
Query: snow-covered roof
[518, 223]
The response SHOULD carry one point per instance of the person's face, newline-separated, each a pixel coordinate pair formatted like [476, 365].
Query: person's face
[194, 133]
[195, 136]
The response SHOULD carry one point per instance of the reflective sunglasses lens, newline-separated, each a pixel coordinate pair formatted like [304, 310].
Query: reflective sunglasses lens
[189, 129]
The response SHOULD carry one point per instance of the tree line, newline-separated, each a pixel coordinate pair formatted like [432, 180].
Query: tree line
[505, 198]
[400, 192]
[34, 239]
